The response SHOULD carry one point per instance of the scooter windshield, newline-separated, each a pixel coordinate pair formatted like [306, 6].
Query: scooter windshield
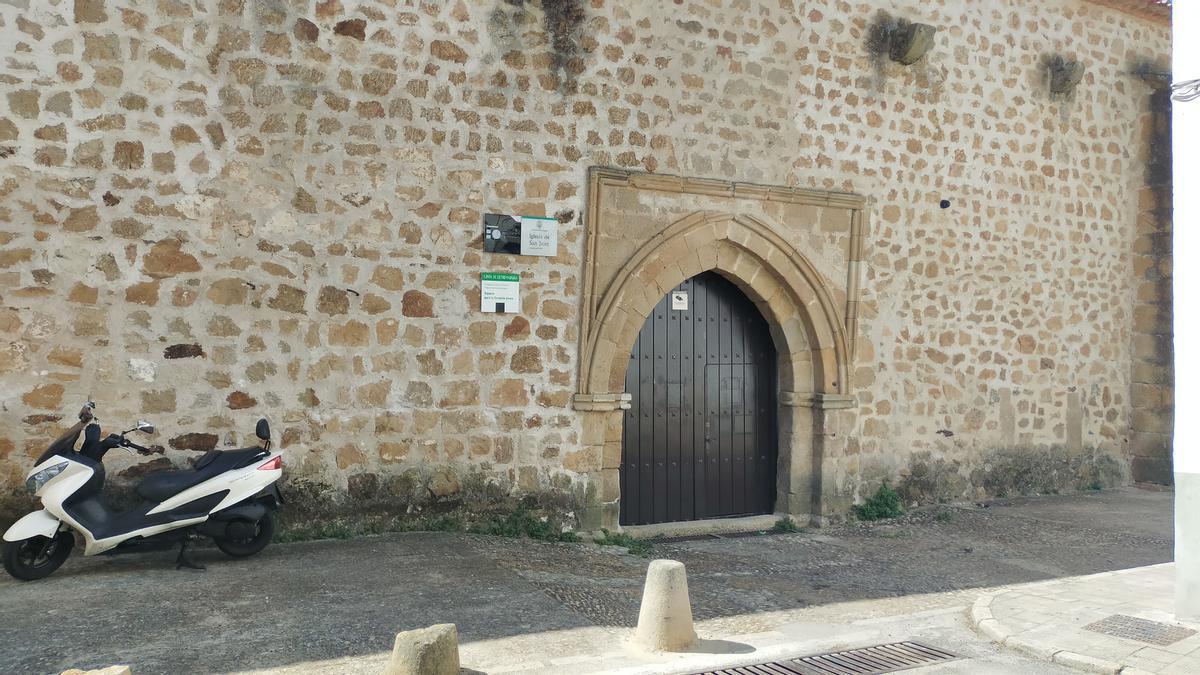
[63, 444]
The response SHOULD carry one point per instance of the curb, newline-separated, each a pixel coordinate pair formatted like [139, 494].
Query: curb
[983, 621]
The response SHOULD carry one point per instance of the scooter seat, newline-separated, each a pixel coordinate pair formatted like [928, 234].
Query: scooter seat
[162, 485]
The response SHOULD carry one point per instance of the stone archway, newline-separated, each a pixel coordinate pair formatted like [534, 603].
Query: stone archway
[780, 280]
[809, 328]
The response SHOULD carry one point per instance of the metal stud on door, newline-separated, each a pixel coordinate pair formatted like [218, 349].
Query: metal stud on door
[699, 439]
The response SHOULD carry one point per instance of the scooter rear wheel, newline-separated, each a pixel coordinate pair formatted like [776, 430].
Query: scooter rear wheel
[37, 557]
[245, 547]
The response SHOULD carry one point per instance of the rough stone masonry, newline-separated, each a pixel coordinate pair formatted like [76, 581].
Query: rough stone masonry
[214, 210]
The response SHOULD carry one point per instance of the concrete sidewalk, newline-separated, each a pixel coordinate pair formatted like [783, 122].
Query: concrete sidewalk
[1078, 622]
[937, 619]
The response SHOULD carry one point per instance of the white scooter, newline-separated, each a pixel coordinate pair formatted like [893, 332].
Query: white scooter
[228, 495]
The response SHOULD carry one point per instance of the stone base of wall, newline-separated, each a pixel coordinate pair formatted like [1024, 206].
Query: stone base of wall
[1007, 472]
[372, 501]
[420, 494]
[14, 503]
[1157, 469]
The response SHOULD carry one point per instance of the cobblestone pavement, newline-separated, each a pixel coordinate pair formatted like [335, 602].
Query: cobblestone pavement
[734, 581]
[528, 606]
[1108, 622]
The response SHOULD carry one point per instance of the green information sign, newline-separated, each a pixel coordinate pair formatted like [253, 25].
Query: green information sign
[500, 292]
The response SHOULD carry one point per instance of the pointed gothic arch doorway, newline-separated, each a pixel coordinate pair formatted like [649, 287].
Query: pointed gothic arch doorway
[700, 437]
[648, 233]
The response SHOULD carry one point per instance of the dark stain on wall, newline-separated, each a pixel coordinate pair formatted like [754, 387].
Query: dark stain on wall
[1153, 373]
[1009, 472]
[562, 21]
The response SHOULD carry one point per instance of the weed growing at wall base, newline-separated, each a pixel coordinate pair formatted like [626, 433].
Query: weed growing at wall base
[885, 503]
[638, 547]
[785, 524]
[316, 532]
[519, 523]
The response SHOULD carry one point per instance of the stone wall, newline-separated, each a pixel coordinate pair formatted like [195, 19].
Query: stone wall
[1153, 393]
[212, 211]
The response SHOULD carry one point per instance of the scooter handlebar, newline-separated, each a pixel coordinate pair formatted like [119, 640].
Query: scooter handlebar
[142, 449]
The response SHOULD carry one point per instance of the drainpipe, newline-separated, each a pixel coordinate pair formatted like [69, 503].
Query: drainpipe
[1185, 126]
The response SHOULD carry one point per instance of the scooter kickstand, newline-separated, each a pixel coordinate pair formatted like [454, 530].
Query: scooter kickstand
[181, 561]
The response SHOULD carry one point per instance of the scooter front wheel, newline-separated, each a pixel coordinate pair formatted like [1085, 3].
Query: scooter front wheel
[37, 557]
[255, 538]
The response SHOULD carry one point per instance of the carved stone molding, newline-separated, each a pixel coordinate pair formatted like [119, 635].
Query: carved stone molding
[646, 233]
[797, 255]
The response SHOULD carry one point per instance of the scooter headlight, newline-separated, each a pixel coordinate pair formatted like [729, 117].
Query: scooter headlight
[38, 480]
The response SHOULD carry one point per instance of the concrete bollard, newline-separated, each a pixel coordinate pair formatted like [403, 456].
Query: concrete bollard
[426, 651]
[665, 620]
[111, 670]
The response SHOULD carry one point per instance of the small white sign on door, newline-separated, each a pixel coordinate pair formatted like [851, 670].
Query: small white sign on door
[679, 301]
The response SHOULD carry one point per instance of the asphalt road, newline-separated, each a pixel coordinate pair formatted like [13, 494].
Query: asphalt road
[318, 602]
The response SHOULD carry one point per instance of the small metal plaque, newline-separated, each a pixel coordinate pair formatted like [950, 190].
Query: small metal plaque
[1142, 630]
[501, 233]
[520, 235]
[679, 301]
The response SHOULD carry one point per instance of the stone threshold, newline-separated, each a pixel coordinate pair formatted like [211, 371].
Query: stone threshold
[689, 528]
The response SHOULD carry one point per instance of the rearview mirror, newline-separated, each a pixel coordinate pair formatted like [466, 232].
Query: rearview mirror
[145, 427]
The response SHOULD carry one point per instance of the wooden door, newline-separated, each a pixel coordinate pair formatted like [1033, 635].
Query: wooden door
[700, 437]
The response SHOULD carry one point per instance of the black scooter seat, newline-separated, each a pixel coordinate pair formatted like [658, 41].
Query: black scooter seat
[162, 485]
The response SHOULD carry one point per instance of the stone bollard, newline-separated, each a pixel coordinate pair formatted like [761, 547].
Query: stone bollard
[426, 651]
[111, 670]
[665, 621]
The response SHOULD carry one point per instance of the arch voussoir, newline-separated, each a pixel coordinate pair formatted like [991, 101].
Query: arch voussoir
[778, 278]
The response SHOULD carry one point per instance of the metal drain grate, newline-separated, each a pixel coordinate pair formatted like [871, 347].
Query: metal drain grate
[887, 658]
[1142, 630]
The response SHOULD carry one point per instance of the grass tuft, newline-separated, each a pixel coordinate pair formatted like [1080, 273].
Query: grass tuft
[885, 503]
[785, 524]
[316, 532]
[638, 547]
[519, 523]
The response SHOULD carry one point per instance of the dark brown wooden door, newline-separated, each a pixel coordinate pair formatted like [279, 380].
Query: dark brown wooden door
[700, 439]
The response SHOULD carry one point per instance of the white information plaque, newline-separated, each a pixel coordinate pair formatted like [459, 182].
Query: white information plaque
[539, 236]
[500, 292]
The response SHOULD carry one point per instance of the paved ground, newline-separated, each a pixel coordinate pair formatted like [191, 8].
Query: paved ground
[1112, 621]
[528, 606]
